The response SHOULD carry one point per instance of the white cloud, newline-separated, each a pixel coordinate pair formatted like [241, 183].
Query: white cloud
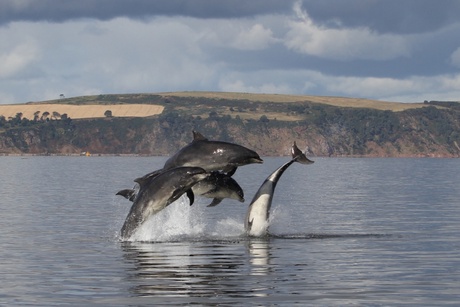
[256, 38]
[411, 89]
[306, 37]
[371, 86]
[16, 59]
[249, 87]
[90, 56]
[455, 58]
[308, 82]
[450, 82]
[239, 34]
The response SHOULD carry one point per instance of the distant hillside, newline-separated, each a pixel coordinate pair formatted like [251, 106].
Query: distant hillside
[280, 98]
[159, 124]
[143, 105]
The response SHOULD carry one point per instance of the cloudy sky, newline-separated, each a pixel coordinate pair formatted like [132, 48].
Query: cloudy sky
[395, 50]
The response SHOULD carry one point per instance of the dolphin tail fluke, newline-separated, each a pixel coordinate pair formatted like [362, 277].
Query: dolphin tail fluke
[299, 156]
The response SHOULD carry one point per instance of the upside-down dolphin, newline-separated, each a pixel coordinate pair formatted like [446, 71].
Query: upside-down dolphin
[217, 186]
[256, 221]
[155, 193]
[212, 155]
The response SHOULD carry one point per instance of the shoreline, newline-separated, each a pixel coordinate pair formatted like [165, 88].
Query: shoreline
[418, 156]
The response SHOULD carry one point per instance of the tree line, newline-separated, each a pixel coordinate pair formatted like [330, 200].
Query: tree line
[346, 130]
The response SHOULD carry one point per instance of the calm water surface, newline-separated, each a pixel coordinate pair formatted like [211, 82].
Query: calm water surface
[345, 232]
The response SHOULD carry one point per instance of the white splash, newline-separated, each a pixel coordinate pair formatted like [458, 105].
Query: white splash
[180, 221]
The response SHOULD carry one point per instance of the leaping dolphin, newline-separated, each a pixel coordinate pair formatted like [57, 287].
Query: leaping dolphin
[217, 186]
[212, 155]
[156, 193]
[256, 221]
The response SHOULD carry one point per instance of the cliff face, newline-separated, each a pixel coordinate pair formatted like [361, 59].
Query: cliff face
[324, 131]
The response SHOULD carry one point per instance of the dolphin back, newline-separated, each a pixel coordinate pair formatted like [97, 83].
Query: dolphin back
[212, 155]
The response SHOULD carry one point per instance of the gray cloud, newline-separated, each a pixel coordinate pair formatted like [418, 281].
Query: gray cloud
[395, 16]
[383, 49]
[62, 10]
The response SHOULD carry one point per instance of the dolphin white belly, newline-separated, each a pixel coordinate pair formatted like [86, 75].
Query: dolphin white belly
[257, 218]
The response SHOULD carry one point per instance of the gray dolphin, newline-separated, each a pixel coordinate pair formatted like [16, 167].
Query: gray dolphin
[212, 155]
[156, 193]
[217, 186]
[256, 221]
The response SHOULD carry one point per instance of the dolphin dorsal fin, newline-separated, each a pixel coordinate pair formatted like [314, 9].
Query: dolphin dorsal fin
[198, 136]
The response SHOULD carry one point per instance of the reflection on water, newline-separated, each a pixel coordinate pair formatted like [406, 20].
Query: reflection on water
[192, 270]
[234, 267]
[259, 256]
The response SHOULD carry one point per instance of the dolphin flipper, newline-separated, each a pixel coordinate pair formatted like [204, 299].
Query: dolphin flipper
[215, 202]
[191, 196]
[229, 170]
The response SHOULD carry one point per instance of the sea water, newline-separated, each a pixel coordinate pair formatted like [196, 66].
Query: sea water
[345, 231]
